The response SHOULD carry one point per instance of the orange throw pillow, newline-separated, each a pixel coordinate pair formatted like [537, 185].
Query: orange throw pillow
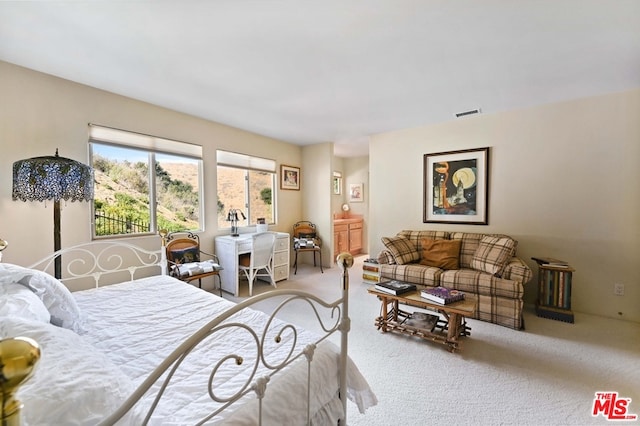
[443, 254]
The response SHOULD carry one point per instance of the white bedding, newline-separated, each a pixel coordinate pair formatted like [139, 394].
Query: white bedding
[73, 383]
[137, 324]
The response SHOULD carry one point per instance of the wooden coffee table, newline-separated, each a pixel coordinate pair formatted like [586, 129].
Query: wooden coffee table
[446, 332]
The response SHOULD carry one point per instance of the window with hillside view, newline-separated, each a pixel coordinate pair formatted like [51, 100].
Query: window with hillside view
[140, 191]
[245, 183]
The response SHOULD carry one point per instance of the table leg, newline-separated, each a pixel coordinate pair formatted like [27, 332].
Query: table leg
[396, 308]
[453, 332]
[384, 314]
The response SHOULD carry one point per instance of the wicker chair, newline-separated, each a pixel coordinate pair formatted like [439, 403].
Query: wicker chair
[185, 259]
[306, 239]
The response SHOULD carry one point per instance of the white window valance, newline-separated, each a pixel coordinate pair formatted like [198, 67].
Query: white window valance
[243, 161]
[142, 141]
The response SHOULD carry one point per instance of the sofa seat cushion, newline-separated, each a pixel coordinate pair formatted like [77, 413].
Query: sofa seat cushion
[412, 273]
[482, 283]
[442, 254]
[402, 250]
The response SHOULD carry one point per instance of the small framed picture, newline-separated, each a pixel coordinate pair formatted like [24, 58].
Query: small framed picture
[356, 192]
[337, 183]
[289, 177]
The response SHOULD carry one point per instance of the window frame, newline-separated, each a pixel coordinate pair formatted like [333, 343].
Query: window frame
[152, 146]
[247, 163]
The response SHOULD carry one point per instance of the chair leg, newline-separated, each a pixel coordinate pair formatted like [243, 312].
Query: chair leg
[295, 264]
[272, 277]
[314, 258]
[251, 278]
[220, 283]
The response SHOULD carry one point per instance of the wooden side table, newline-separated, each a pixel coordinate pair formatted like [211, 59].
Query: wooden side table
[554, 289]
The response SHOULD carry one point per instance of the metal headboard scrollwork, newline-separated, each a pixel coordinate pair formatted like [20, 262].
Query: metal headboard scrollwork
[102, 258]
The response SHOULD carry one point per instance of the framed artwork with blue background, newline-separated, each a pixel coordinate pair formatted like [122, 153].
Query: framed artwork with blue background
[456, 187]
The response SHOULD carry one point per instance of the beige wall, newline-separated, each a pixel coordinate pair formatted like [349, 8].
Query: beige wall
[564, 181]
[39, 113]
[316, 205]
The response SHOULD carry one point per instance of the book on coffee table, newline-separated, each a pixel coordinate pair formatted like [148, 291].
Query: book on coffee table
[395, 287]
[442, 295]
[549, 261]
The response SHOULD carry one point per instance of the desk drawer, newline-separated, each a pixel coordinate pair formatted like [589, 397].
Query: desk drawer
[281, 272]
[244, 247]
[282, 243]
[357, 225]
[281, 258]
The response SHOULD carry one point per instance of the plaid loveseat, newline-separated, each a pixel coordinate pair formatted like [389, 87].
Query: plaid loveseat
[487, 267]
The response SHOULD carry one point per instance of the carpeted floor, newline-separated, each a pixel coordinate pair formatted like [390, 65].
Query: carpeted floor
[545, 375]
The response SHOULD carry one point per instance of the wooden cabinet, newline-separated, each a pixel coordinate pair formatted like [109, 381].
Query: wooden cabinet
[347, 236]
[355, 237]
[340, 238]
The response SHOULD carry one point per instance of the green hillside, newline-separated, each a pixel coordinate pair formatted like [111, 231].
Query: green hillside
[122, 196]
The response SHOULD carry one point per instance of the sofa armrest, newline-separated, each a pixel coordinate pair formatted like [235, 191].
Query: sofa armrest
[517, 270]
[386, 258]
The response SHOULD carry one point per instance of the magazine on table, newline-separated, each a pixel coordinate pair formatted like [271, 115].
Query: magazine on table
[442, 295]
[423, 320]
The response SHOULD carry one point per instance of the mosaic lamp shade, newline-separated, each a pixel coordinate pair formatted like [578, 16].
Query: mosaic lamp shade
[52, 178]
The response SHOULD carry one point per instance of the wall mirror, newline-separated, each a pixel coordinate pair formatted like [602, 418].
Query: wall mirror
[337, 183]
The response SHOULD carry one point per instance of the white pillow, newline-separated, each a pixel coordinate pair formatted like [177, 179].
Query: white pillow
[55, 296]
[17, 300]
[73, 383]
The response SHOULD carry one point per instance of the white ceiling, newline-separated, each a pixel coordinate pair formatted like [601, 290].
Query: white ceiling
[331, 70]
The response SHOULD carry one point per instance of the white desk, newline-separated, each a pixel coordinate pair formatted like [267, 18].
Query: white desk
[228, 249]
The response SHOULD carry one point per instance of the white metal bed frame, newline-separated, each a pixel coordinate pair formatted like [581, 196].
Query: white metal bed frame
[99, 259]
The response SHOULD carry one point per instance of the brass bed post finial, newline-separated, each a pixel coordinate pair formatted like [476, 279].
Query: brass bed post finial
[18, 358]
[345, 261]
[163, 235]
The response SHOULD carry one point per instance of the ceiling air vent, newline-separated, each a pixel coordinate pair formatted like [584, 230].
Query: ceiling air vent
[470, 112]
